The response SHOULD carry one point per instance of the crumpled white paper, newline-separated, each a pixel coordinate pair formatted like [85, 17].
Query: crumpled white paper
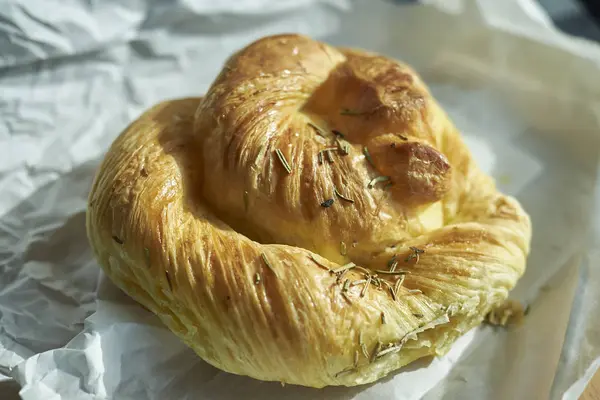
[72, 76]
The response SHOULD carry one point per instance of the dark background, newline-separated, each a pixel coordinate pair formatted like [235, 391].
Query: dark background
[575, 17]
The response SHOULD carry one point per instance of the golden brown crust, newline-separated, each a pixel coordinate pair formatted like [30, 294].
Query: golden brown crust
[225, 216]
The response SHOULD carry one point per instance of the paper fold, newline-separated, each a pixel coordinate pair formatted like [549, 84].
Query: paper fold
[525, 96]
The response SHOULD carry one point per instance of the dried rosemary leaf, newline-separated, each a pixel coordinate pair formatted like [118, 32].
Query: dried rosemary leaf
[388, 350]
[346, 285]
[376, 351]
[418, 315]
[343, 146]
[346, 111]
[399, 272]
[377, 180]
[340, 276]
[329, 156]
[344, 267]
[393, 293]
[390, 288]
[318, 263]
[403, 137]
[343, 249]
[283, 161]
[415, 254]
[327, 203]
[256, 278]
[399, 283]
[411, 256]
[317, 129]
[383, 321]
[268, 264]
[365, 288]
[326, 149]
[341, 196]
[368, 156]
[362, 345]
[393, 266]
[116, 239]
[391, 261]
[345, 371]
[363, 348]
[345, 296]
[376, 281]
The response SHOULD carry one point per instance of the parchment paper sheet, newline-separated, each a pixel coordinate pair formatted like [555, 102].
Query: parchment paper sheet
[73, 74]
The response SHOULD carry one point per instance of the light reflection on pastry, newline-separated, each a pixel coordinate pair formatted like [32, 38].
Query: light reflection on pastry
[315, 219]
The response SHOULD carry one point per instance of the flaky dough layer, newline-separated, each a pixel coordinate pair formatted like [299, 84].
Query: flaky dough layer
[315, 219]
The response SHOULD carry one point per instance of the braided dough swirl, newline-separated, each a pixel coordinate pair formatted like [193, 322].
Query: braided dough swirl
[315, 219]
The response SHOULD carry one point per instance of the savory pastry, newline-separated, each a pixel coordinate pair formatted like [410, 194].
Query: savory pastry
[315, 219]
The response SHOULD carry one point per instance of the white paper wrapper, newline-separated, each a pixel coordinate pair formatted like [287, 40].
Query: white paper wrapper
[72, 76]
